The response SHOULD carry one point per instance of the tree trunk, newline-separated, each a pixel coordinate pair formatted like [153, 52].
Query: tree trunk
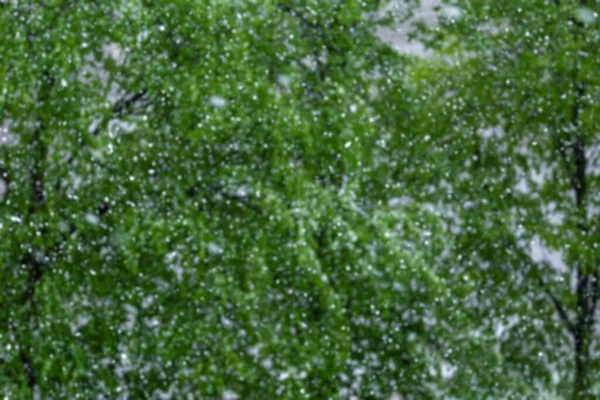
[581, 389]
[587, 296]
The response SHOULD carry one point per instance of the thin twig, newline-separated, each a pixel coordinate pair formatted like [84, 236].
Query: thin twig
[558, 306]
[121, 108]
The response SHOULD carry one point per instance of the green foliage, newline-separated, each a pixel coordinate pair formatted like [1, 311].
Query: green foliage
[504, 123]
[195, 206]
[236, 199]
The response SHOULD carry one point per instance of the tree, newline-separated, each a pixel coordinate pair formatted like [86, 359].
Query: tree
[506, 112]
[195, 205]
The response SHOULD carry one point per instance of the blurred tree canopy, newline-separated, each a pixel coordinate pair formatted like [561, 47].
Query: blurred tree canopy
[194, 206]
[240, 199]
[508, 104]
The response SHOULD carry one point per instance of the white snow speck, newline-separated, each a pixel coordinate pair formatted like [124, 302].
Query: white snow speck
[3, 189]
[283, 80]
[230, 395]
[92, 218]
[585, 15]
[447, 370]
[214, 249]
[284, 375]
[217, 101]
[226, 322]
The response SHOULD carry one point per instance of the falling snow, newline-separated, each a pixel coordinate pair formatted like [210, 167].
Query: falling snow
[300, 200]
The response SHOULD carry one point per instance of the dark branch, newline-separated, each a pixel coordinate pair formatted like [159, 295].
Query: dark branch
[579, 178]
[218, 190]
[562, 313]
[4, 176]
[121, 107]
[289, 10]
[593, 297]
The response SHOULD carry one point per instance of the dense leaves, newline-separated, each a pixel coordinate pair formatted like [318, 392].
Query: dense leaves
[234, 199]
[508, 104]
[195, 206]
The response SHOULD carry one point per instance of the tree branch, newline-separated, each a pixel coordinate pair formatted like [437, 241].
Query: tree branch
[562, 313]
[593, 297]
[121, 108]
[4, 176]
[233, 197]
